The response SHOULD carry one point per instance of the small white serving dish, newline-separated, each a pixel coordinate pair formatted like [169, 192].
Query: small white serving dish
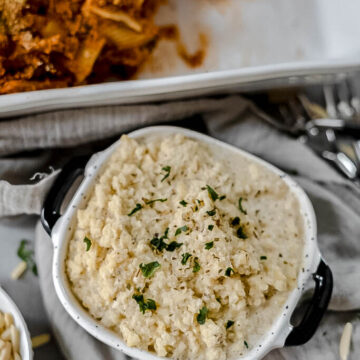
[7, 305]
[60, 227]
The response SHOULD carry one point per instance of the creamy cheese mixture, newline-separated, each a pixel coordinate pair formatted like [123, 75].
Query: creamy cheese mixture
[184, 252]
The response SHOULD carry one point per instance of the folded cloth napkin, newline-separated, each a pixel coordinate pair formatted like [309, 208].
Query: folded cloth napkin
[236, 121]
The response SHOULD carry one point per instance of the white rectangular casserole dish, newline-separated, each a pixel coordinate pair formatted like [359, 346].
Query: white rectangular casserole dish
[60, 227]
[251, 45]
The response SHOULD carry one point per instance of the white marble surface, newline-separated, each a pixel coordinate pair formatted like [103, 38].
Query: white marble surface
[25, 291]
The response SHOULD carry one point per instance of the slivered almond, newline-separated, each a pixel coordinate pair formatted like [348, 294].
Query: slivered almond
[345, 341]
[19, 270]
[40, 340]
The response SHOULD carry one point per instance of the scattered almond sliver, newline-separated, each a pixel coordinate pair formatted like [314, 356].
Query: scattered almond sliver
[345, 341]
[19, 270]
[9, 338]
[40, 340]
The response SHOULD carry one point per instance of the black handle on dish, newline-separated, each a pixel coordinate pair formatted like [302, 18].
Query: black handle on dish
[323, 288]
[50, 212]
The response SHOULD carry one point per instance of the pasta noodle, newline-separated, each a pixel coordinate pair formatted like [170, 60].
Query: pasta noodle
[49, 44]
[9, 338]
[125, 38]
[119, 16]
[58, 43]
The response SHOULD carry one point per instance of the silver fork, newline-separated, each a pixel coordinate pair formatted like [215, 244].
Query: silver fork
[343, 102]
[297, 119]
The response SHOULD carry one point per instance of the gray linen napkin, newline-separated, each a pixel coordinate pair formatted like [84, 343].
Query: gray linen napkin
[236, 121]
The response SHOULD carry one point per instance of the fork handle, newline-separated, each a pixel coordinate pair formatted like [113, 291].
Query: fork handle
[351, 129]
[343, 163]
[345, 127]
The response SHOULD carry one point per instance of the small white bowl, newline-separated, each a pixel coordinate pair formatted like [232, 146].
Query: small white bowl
[7, 305]
[281, 333]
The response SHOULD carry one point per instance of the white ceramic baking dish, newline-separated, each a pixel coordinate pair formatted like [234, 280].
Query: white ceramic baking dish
[251, 45]
[61, 227]
[7, 305]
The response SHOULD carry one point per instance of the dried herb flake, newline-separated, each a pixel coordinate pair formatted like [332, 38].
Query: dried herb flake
[136, 208]
[155, 200]
[235, 221]
[211, 212]
[87, 241]
[149, 269]
[181, 229]
[173, 246]
[158, 244]
[240, 233]
[240, 206]
[144, 305]
[196, 266]
[228, 271]
[185, 258]
[167, 170]
[209, 245]
[202, 315]
[212, 193]
[229, 324]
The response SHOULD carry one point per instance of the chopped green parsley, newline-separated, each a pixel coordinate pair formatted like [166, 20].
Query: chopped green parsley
[240, 233]
[201, 316]
[185, 258]
[196, 266]
[144, 305]
[149, 269]
[158, 244]
[229, 324]
[152, 201]
[228, 271]
[87, 241]
[222, 197]
[136, 208]
[210, 227]
[183, 203]
[212, 193]
[209, 245]
[181, 229]
[173, 246]
[167, 170]
[263, 257]
[246, 344]
[211, 212]
[240, 206]
[27, 255]
[235, 221]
